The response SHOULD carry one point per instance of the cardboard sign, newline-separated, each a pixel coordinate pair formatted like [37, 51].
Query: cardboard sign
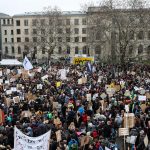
[55, 104]
[103, 95]
[58, 135]
[84, 80]
[117, 88]
[147, 95]
[1, 116]
[123, 131]
[129, 120]
[16, 99]
[88, 96]
[143, 107]
[141, 98]
[82, 60]
[80, 81]
[8, 101]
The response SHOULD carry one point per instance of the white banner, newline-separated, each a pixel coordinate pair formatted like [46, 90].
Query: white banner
[24, 142]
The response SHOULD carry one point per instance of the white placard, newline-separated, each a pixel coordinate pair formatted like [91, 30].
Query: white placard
[7, 82]
[1, 80]
[141, 98]
[8, 92]
[1, 73]
[13, 89]
[24, 142]
[8, 71]
[123, 131]
[127, 108]
[88, 96]
[39, 86]
[44, 77]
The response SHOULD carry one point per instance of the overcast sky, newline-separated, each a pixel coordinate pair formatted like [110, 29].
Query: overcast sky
[12, 7]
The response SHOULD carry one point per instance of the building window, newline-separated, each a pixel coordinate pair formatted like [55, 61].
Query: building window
[5, 32]
[140, 35]
[59, 39]
[148, 49]
[25, 22]
[34, 22]
[76, 39]
[131, 35]
[60, 31]
[76, 21]
[6, 50]
[42, 22]
[83, 39]
[18, 31]
[5, 40]
[12, 40]
[12, 50]
[148, 35]
[83, 30]
[34, 39]
[98, 49]
[59, 50]
[35, 50]
[76, 50]
[130, 49]
[43, 50]
[76, 30]
[67, 39]
[18, 39]
[26, 39]
[4, 22]
[68, 30]
[8, 21]
[34, 31]
[68, 49]
[26, 31]
[17, 22]
[67, 21]
[140, 49]
[84, 50]
[26, 48]
[84, 21]
[43, 31]
[19, 50]
[12, 32]
[98, 35]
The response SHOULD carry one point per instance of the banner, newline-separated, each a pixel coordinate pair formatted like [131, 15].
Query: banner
[82, 60]
[24, 142]
[27, 64]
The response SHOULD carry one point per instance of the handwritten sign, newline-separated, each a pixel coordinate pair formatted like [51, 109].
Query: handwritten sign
[82, 60]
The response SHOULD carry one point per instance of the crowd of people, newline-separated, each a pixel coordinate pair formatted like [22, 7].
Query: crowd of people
[84, 109]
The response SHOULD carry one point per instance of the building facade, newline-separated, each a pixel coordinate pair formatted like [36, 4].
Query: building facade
[95, 33]
[18, 36]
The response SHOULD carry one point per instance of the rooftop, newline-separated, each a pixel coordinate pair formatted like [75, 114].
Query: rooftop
[40, 13]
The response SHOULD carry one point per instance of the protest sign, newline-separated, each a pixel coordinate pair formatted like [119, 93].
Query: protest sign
[110, 91]
[88, 96]
[26, 114]
[117, 88]
[131, 139]
[106, 148]
[58, 84]
[127, 93]
[143, 107]
[55, 104]
[1, 73]
[82, 60]
[16, 99]
[13, 89]
[1, 80]
[24, 142]
[147, 95]
[141, 98]
[127, 108]
[129, 120]
[80, 81]
[8, 92]
[7, 82]
[84, 80]
[63, 74]
[2, 118]
[123, 131]
[44, 77]
[146, 141]
[8, 71]
[39, 86]
[58, 135]
[19, 71]
[8, 101]
[103, 95]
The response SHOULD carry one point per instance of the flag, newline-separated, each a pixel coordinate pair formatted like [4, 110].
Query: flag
[27, 64]
[89, 67]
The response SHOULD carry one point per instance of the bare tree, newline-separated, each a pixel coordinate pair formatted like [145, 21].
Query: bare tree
[49, 33]
[115, 27]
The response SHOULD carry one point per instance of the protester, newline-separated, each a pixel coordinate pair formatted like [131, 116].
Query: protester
[87, 103]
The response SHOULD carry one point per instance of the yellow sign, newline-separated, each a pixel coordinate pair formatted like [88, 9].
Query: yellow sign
[58, 84]
[82, 60]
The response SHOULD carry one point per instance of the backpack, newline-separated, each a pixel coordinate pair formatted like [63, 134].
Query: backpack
[73, 145]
